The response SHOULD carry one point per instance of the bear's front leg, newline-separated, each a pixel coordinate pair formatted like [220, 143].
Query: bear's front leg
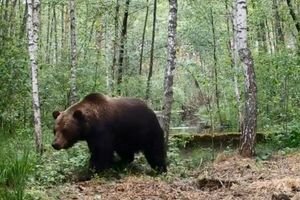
[100, 143]
[101, 155]
[100, 161]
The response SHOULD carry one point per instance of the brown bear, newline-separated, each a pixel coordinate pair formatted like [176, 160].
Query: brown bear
[111, 125]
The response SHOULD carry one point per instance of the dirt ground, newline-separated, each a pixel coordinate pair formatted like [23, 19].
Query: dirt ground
[227, 178]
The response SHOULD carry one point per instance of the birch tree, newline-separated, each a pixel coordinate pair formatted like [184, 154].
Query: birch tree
[73, 90]
[249, 123]
[170, 69]
[33, 24]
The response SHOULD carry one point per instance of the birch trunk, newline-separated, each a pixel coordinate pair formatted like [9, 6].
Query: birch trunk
[248, 136]
[73, 88]
[33, 29]
[170, 69]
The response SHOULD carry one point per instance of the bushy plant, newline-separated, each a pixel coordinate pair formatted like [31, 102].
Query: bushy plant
[56, 167]
[289, 138]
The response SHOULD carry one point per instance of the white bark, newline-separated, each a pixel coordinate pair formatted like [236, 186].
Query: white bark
[241, 24]
[170, 68]
[73, 91]
[33, 29]
[250, 114]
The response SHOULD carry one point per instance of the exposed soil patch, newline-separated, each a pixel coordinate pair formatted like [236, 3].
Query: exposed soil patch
[227, 178]
[213, 184]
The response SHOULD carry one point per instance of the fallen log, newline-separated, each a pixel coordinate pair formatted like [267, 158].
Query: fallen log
[219, 140]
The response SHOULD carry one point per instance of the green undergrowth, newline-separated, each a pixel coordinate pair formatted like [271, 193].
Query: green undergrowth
[25, 175]
[16, 166]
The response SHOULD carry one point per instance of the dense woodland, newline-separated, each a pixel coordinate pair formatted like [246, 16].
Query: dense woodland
[236, 69]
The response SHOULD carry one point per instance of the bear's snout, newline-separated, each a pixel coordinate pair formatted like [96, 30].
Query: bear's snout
[56, 146]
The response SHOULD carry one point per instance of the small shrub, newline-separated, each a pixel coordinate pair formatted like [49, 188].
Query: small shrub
[56, 167]
[285, 140]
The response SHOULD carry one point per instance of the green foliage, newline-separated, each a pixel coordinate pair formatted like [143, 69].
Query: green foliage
[286, 139]
[57, 167]
[277, 75]
[15, 168]
[14, 84]
[278, 93]
[182, 161]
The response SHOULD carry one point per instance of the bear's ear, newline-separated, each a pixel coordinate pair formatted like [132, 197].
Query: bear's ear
[78, 115]
[55, 114]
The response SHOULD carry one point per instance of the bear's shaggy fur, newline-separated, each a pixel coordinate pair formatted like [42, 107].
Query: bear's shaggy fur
[121, 125]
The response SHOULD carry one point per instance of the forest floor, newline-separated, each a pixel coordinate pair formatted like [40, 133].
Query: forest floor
[229, 177]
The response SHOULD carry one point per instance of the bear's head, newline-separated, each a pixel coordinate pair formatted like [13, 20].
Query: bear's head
[68, 129]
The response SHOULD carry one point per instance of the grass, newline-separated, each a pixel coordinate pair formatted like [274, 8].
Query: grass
[23, 175]
[15, 167]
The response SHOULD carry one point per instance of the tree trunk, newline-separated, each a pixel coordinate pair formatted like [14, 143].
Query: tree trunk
[296, 21]
[73, 87]
[122, 48]
[33, 24]
[217, 96]
[270, 39]
[293, 15]
[143, 38]
[248, 137]
[170, 69]
[148, 87]
[115, 43]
